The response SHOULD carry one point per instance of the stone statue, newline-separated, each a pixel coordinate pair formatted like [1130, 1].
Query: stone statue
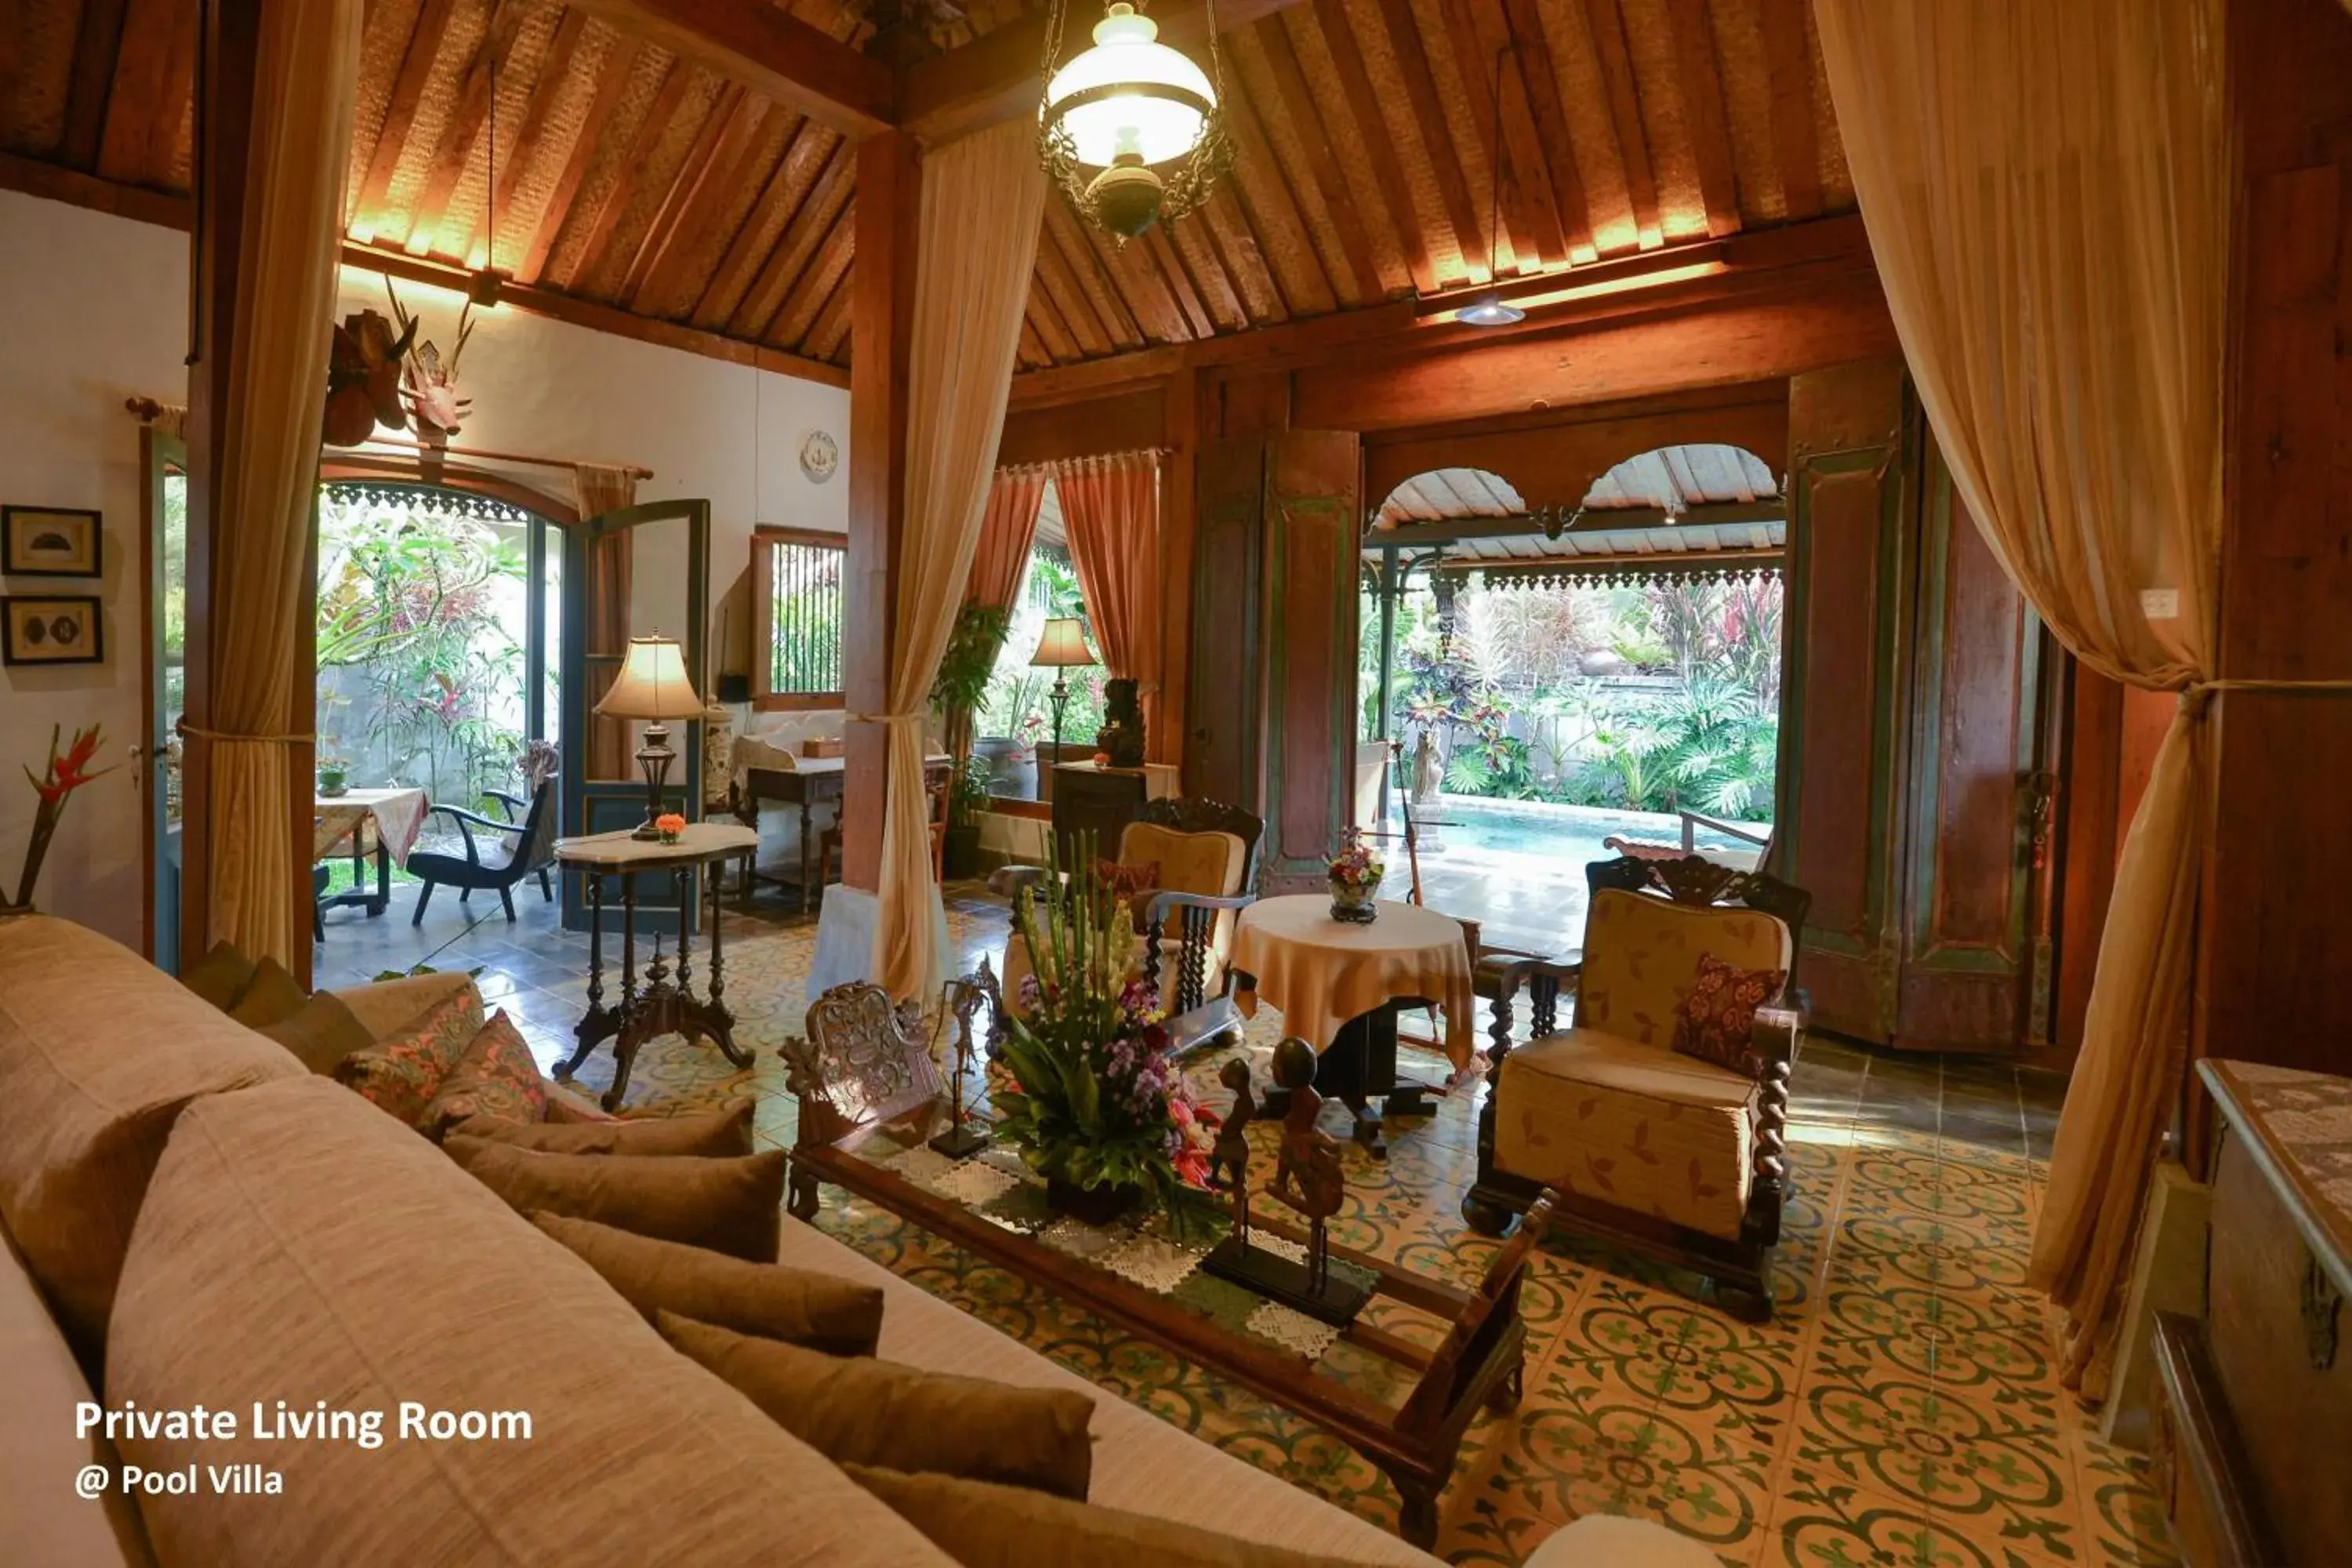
[1122, 732]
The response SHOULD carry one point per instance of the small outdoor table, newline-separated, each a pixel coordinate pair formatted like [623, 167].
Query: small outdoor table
[1338, 985]
[665, 1003]
[379, 824]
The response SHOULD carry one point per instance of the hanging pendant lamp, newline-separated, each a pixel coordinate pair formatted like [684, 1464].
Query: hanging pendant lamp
[1490, 310]
[1132, 131]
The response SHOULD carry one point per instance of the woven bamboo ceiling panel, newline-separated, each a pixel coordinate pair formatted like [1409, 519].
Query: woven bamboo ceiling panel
[1368, 160]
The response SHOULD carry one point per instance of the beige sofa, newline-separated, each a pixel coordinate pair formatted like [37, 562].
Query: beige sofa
[207, 1223]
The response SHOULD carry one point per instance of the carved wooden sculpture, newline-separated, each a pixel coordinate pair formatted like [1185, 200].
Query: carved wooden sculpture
[961, 998]
[1231, 1155]
[1306, 1176]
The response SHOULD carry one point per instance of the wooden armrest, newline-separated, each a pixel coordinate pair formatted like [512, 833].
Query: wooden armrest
[463, 815]
[1525, 970]
[1773, 1036]
[1161, 902]
[514, 806]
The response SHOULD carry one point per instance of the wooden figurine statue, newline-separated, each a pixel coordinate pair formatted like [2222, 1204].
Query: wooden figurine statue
[1308, 1175]
[961, 999]
[1231, 1154]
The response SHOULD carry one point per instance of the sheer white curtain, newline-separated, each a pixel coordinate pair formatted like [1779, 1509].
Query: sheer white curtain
[982, 200]
[2045, 190]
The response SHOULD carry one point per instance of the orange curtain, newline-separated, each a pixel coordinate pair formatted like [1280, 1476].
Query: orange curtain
[1006, 532]
[306, 84]
[610, 576]
[1110, 509]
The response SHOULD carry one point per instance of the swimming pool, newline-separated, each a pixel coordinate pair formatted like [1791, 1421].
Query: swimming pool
[1554, 832]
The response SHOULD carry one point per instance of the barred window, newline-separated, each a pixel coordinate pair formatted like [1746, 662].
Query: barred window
[796, 589]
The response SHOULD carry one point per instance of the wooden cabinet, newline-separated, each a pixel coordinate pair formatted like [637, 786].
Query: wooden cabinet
[1272, 694]
[1915, 799]
[2254, 1410]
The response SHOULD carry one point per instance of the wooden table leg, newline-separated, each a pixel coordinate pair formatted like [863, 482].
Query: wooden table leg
[383, 899]
[632, 1020]
[598, 1023]
[715, 1016]
[805, 808]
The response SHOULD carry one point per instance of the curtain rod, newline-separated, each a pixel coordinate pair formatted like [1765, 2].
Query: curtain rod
[148, 411]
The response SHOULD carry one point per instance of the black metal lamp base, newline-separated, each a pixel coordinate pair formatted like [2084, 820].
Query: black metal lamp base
[1277, 1279]
[654, 758]
[961, 1142]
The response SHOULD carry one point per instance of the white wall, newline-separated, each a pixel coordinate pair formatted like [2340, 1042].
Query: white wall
[93, 309]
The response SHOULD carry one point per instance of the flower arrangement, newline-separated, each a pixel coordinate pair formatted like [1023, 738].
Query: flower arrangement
[1082, 1083]
[670, 825]
[1355, 877]
[62, 776]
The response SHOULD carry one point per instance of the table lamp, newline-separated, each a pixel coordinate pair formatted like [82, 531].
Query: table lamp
[1062, 645]
[652, 685]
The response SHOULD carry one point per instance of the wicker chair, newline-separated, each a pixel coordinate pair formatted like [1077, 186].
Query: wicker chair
[1664, 1153]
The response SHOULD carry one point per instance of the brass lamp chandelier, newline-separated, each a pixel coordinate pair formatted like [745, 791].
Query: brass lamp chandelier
[1132, 131]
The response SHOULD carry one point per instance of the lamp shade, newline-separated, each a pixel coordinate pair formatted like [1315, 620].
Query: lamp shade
[651, 684]
[1063, 644]
[1130, 94]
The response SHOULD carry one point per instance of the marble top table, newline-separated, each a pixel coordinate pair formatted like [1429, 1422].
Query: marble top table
[663, 1002]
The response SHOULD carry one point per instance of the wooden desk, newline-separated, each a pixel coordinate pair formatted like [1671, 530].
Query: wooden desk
[812, 782]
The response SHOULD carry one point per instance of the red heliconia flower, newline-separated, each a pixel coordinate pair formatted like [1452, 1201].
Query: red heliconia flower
[67, 773]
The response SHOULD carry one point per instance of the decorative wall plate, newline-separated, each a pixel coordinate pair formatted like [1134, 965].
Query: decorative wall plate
[820, 455]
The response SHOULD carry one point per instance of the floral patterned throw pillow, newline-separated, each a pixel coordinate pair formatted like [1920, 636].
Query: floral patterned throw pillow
[1718, 1014]
[496, 1077]
[403, 1071]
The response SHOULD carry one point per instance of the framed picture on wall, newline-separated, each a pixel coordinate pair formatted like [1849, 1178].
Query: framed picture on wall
[51, 629]
[50, 542]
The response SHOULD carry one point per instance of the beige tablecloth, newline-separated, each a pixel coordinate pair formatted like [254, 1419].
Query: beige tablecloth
[1321, 972]
[398, 814]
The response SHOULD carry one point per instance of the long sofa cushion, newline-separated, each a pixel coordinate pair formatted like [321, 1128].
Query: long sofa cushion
[99, 1051]
[43, 1523]
[1141, 1463]
[296, 1245]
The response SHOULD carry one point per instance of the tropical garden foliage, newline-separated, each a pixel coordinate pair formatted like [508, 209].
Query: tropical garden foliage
[1649, 698]
[420, 662]
[1017, 702]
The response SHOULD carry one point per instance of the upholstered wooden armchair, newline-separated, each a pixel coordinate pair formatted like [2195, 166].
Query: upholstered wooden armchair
[1207, 854]
[1665, 1153]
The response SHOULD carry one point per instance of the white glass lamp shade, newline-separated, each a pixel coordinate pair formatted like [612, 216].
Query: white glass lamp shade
[1126, 105]
[651, 684]
[1063, 644]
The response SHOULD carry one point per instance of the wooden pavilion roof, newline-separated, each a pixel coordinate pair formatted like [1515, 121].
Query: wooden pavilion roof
[652, 183]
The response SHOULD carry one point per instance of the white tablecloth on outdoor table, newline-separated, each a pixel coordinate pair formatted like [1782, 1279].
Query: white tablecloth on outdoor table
[399, 816]
[1321, 973]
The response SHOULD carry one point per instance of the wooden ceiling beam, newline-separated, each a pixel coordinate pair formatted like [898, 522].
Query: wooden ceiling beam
[1607, 27]
[1789, 59]
[671, 284]
[1299, 102]
[1701, 80]
[1465, 215]
[999, 76]
[829, 337]
[1052, 330]
[455, 146]
[632, 171]
[555, 71]
[722, 129]
[1830, 256]
[1092, 334]
[1540, 78]
[1364, 108]
[1255, 152]
[610, 85]
[1087, 253]
[97, 40]
[763, 47]
[400, 113]
[1159, 262]
[142, 68]
[1236, 246]
[798, 242]
[789, 184]
[790, 327]
[55, 182]
[1525, 195]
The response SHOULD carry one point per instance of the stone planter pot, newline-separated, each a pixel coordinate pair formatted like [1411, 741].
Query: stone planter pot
[1357, 905]
[1011, 768]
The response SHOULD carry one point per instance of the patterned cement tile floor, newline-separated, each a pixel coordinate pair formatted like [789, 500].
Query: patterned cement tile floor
[1901, 1406]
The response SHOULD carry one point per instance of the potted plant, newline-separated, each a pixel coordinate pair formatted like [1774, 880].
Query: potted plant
[64, 774]
[968, 798]
[334, 776]
[1083, 1084]
[962, 683]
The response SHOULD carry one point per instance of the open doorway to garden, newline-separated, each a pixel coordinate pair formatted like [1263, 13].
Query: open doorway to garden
[1015, 720]
[1559, 686]
[437, 666]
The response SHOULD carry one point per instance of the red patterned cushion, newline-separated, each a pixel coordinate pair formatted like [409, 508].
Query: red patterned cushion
[496, 1077]
[1136, 884]
[403, 1071]
[1718, 1014]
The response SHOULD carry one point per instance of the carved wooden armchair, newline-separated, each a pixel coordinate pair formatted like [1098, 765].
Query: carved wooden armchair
[1666, 1154]
[1207, 856]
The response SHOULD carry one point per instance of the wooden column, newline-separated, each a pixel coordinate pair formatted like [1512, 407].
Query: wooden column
[225, 116]
[1181, 441]
[2275, 946]
[881, 329]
